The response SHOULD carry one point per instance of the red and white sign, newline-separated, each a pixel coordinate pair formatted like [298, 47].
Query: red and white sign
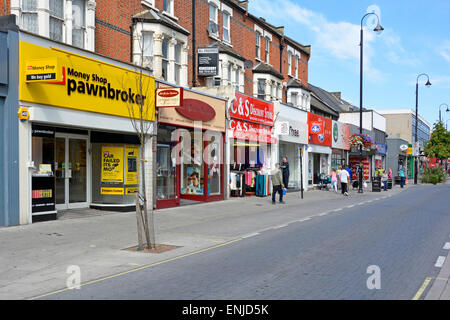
[168, 97]
[243, 130]
[319, 129]
[250, 109]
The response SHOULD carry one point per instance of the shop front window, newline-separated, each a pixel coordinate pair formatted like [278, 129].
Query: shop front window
[214, 160]
[166, 164]
[192, 178]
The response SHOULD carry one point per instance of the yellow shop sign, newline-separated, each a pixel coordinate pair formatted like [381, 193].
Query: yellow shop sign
[43, 70]
[82, 83]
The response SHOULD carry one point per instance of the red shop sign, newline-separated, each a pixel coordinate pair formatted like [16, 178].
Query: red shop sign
[196, 110]
[319, 130]
[243, 130]
[253, 110]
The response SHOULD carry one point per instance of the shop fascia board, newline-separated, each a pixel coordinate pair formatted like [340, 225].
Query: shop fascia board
[80, 119]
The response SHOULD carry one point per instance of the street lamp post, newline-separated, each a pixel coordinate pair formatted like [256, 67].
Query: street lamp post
[417, 119]
[378, 28]
[443, 104]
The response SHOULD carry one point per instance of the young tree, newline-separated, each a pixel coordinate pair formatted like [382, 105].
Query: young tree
[439, 144]
[139, 113]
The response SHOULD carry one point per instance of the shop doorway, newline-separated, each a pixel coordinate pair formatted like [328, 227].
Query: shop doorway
[316, 168]
[71, 178]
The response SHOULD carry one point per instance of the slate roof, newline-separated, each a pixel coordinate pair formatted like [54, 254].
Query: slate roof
[295, 83]
[153, 16]
[223, 48]
[265, 68]
[317, 103]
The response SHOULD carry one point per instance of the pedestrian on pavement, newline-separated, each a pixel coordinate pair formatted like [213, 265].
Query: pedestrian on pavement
[344, 181]
[333, 175]
[350, 174]
[390, 173]
[384, 178]
[338, 172]
[285, 169]
[277, 183]
[402, 176]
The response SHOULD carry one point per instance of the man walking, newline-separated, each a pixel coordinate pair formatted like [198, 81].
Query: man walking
[350, 173]
[277, 183]
[344, 177]
[402, 176]
[285, 168]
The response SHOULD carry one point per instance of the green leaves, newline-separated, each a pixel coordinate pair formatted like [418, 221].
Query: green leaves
[439, 144]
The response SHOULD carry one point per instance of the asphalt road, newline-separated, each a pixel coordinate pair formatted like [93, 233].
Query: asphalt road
[326, 257]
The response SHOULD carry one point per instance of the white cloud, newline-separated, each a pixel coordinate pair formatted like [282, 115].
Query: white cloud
[445, 50]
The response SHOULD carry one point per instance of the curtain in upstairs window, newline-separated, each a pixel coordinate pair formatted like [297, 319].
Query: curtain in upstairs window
[56, 19]
[78, 14]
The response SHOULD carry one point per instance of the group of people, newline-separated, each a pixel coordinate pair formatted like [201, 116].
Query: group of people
[342, 176]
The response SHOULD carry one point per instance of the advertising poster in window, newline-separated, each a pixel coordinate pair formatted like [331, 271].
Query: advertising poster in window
[131, 163]
[320, 130]
[112, 164]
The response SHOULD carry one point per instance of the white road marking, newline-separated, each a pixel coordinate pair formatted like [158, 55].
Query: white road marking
[336, 210]
[323, 214]
[280, 226]
[447, 246]
[250, 235]
[440, 261]
[304, 219]
[351, 206]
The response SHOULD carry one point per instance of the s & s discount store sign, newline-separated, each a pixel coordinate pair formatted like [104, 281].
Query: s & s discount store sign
[86, 84]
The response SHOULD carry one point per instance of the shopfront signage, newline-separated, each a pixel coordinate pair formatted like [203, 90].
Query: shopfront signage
[380, 148]
[243, 130]
[208, 61]
[319, 129]
[403, 147]
[86, 84]
[131, 165]
[253, 110]
[196, 110]
[169, 97]
[341, 135]
[112, 164]
[43, 70]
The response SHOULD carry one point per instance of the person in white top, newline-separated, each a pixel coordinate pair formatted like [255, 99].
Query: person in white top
[344, 176]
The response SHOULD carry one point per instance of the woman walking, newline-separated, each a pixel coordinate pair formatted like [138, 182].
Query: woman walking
[384, 178]
[333, 180]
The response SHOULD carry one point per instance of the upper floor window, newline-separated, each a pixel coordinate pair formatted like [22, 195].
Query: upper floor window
[226, 27]
[147, 49]
[177, 70]
[296, 66]
[258, 45]
[294, 98]
[230, 71]
[165, 58]
[261, 89]
[267, 49]
[236, 84]
[289, 63]
[213, 17]
[78, 27]
[168, 6]
[30, 16]
[56, 19]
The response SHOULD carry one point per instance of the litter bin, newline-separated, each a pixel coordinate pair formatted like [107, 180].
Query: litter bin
[389, 183]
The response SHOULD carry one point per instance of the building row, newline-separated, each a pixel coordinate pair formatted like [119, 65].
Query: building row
[202, 94]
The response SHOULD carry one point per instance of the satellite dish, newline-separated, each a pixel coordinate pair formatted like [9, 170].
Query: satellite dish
[248, 64]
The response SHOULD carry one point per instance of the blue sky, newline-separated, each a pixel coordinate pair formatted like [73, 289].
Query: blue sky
[416, 40]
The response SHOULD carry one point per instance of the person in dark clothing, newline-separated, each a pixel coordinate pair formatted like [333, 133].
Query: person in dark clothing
[285, 168]
[277, 183]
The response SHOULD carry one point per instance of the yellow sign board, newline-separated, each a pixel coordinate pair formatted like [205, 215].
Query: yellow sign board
[131, 191]
[43, 70]
[111, 190]
[85, 84]
[112, 164]
[132, 165]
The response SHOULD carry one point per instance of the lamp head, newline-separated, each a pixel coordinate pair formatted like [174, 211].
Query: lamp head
[428, 84]
[378, 29]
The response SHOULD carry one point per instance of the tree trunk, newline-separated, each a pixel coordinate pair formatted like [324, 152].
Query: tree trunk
[139, 222]
[144, 193]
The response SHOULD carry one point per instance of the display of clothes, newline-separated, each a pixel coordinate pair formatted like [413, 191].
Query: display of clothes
[263, 185]
[250, 182]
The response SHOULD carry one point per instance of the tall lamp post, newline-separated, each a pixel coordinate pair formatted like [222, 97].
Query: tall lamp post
[443, 104]
[378, 29]
[417, 120]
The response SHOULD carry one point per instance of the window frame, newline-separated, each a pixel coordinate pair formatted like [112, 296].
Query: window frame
[258, 45]
[226, 27]
[216, 17]
[261, 96]
[165, 59]
[267, 50]
[80, 27]
[61, 19]
[144, 53]
[170, 7]
[30, 12]
[177, 64]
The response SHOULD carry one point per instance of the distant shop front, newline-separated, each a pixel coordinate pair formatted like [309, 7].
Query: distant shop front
[340, 146]
[319, 148]
[252, 146]
[190, 150]
[292, 126]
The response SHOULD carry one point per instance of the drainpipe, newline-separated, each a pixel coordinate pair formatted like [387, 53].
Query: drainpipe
[194, 75]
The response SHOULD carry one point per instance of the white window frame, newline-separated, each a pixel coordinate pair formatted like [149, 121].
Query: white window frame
[177, 64]
[62, 19]
[296, 66]
[170, 7]
[226, 27]
[216, 6]
[83, 28]
[258, 45]
[165, 59]
[35, 12]
[147, 57]
[267, 50]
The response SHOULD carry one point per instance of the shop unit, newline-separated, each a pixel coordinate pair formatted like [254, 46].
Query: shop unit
[319, 148]
[252, 146]
[190, 150]
[292, 127]
[340, 146]
[79, 149]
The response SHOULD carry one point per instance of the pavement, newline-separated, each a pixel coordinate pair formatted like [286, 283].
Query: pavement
[35, 258]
